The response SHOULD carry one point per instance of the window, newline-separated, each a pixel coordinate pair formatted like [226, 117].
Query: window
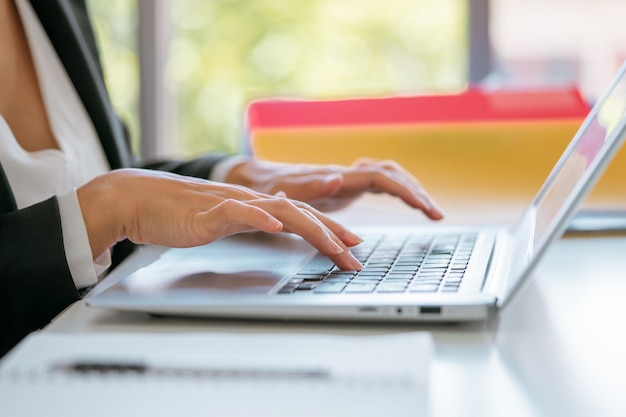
[115, 24]
[224, 53]
[548, 42]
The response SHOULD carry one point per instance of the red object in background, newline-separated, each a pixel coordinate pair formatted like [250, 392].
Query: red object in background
[473, 105]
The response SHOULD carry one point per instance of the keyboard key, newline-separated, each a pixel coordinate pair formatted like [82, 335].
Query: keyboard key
[330, 287]
[391, 264]
[391, 287]
[308, 277]
[404, 268]
[399, 276]
[413, 261]
[360, 287]
[337, 280]
[341, 274]
[366, 278]
[427, 281]
[423, 288]
[377, 269]
[287, 289]
[429, 274]
[306, 286]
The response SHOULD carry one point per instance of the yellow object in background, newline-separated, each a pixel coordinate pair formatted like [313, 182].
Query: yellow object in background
[494, 150]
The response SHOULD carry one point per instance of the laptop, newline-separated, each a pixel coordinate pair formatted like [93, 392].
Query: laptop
[432, 273]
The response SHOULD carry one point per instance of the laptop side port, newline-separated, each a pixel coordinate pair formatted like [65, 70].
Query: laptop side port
[430, 310]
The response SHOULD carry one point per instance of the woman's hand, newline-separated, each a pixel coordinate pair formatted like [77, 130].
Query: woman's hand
[176, 211]
[332, 187]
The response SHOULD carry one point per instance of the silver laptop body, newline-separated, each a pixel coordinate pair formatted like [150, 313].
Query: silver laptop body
[258, 276]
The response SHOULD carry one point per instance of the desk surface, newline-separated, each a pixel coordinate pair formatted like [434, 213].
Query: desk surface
[557, 350]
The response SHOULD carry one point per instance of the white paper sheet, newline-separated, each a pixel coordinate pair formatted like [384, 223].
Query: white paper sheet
[218, 374]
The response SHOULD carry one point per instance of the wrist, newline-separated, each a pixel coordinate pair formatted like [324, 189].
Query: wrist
[240, 173]
[102, 212]
[222, 169]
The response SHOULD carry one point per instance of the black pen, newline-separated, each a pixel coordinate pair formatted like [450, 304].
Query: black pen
[139, 368]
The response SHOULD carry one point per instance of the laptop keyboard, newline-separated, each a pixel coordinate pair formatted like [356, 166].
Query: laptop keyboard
[391, 264]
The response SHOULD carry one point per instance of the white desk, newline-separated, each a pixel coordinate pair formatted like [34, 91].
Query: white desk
[557, 350]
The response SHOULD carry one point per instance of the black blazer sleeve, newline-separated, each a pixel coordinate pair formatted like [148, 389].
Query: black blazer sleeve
[35, 281]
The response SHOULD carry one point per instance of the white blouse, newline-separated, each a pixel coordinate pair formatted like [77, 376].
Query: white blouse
[36, 176]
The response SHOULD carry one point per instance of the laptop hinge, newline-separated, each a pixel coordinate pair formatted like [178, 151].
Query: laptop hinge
[499, 267]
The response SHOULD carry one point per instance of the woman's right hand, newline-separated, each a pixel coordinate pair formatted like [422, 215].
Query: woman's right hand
[176, 211]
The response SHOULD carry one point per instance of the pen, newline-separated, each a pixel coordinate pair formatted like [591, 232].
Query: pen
[138, 368]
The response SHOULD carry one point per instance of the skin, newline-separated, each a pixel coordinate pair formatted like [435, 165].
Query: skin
[21, 103]
[189, 212]
[332, 187]
[171, 210]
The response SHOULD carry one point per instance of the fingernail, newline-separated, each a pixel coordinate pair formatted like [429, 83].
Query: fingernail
[275, 224]
[431, 207]
[354, 262]
[333, 177]
[335, 248]
[436, 209]
[353, 238]
[426, 203]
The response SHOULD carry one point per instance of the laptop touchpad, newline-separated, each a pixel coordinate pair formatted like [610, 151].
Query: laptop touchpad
[251, 264]
[245, 281]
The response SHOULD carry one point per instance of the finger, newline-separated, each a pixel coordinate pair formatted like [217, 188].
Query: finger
[346, 236]
[364, 161]
[241, 193]
[392, 166]
[310, 187]
[341, 235]
[311, 228]
[232, 216]
[412, 183]
[388, 179]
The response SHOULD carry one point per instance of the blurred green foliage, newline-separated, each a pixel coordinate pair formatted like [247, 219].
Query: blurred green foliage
[224, 53]
[115, 24]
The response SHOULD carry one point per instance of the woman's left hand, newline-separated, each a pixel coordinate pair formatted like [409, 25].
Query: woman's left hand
[332, 187]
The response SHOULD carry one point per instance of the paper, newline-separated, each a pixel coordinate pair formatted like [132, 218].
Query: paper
[218, 374]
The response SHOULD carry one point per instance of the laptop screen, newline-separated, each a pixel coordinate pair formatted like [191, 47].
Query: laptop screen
[582, 163]
[599, 134]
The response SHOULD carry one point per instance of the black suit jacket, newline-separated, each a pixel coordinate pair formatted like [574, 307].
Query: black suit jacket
[35, 282]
